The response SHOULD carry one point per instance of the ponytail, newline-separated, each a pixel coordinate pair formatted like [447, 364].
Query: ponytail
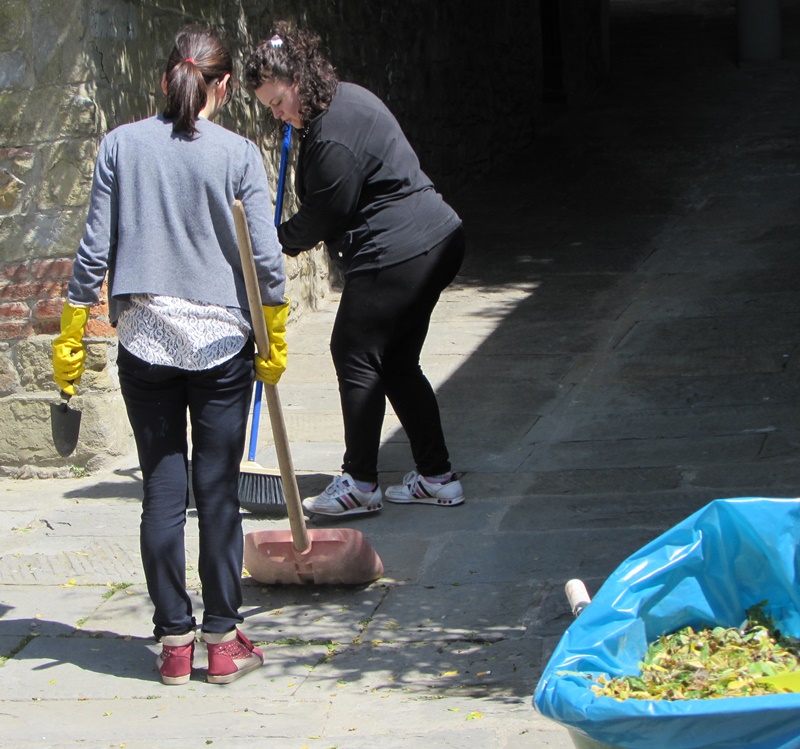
[197, 58]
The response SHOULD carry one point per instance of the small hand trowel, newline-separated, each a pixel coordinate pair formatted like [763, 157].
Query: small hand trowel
[66, 425]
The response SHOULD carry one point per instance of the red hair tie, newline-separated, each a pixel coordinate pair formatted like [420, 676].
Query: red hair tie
[189, 59]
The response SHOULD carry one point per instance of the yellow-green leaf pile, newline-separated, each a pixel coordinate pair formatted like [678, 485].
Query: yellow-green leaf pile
[710, 663]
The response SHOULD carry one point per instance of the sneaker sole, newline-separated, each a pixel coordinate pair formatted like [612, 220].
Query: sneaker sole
[354, 511]
[228, 678]
[440, 501]
[172, 681]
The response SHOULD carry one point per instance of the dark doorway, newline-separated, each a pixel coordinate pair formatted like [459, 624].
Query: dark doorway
[552, 59]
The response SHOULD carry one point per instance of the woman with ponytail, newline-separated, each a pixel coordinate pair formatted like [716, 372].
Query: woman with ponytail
[161, 228]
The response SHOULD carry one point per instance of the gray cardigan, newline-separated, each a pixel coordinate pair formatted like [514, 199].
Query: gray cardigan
[160, 219]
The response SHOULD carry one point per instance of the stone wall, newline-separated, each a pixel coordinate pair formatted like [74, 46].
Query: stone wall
[464, 83]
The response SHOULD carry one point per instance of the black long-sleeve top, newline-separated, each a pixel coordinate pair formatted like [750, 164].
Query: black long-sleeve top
[362, 190]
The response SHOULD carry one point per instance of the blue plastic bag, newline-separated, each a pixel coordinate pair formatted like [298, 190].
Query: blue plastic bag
[706, 571]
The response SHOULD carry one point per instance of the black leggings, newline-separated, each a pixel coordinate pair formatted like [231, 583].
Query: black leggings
[217, 400]
[377, 339]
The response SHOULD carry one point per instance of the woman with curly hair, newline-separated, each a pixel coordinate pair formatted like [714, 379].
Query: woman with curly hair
[363, 193]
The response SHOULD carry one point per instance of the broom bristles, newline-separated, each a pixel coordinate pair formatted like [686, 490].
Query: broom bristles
[261, 491]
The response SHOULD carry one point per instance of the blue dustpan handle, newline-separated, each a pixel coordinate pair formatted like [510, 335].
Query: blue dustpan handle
[251, 454]
[287, 142]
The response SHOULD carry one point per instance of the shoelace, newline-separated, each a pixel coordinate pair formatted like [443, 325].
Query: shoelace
[340, 487]
[337, 487]
[411, 480]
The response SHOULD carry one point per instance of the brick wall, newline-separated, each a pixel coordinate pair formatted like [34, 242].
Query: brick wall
[32, 297]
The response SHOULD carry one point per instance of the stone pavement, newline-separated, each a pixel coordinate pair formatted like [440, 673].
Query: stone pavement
[620, 348]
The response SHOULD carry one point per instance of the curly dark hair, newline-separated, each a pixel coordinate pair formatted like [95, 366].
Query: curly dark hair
[294, 56]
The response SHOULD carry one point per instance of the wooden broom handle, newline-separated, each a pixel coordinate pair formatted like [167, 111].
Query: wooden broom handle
[290, 491]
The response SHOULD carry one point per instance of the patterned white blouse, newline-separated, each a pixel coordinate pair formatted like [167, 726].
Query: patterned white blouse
[180, 332]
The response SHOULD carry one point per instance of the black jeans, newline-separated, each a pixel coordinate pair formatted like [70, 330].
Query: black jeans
[380, 328]
[157, 399]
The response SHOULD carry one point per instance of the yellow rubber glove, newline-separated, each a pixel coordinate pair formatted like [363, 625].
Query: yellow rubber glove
[270, 371]
[69, 353]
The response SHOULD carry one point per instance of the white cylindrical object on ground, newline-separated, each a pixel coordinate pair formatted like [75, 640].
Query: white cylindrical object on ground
[577, 595]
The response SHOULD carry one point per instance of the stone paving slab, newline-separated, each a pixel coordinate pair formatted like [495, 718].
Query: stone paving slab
[500, 367]
[675, 364]
[546, 338]
[450, 720]
[451, 612]
[505, 396]
[518, 556]
[504, 670]
[646, 453]
[328, 614]
[723, 391]
[238, 716]
[678, 422]
[693, 334]
[83, 560]
[658, 511]
[495, 454]
[602, 481]
[120, 519]
[129, 612]
[779, 478]
[47, 609]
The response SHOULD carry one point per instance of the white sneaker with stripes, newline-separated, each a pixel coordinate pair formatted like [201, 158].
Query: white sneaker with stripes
[343, 497]
[416, 489]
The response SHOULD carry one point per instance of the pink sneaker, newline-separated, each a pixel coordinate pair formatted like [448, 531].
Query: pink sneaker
[230, 655]
[175, 662]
